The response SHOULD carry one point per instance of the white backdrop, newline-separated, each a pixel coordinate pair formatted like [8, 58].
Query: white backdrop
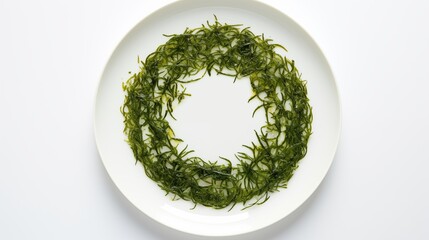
[54, 186]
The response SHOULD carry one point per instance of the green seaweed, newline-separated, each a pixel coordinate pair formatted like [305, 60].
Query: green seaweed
[264, 165]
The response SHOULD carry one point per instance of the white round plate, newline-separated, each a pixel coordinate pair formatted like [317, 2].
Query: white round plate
[202, 126]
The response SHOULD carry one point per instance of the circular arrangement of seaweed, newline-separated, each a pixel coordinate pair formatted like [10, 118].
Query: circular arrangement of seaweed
[265, 165]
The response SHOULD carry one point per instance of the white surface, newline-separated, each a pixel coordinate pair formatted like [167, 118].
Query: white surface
[52, 182]
[212, 94]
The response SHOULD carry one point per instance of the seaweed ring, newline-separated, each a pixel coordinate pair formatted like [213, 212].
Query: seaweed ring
[267, 164]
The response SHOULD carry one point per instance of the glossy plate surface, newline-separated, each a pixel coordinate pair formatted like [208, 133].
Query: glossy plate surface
[207, 116]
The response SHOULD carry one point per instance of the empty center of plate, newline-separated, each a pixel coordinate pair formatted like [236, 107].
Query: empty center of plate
[216, 120]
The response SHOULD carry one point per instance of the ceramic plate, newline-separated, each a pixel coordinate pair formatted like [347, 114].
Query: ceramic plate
[216, 119]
